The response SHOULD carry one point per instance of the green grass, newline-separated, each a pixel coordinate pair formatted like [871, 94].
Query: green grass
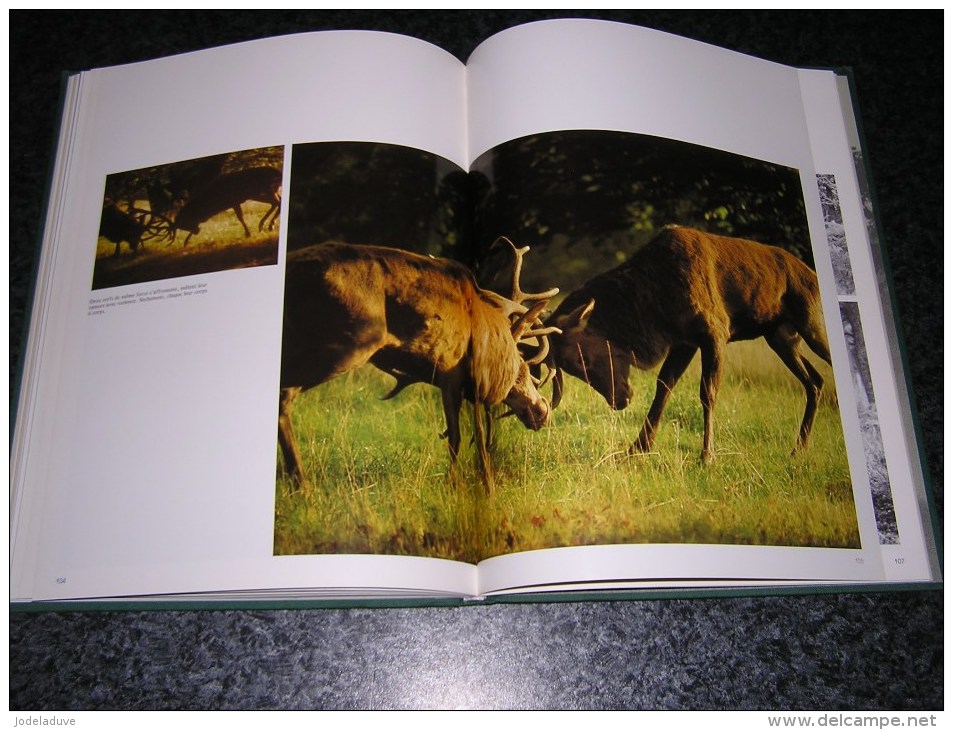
[381, 480]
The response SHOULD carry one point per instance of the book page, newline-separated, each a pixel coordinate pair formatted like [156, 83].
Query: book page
[893, 470]
[607, 135]
[590, 74]
[147, 455]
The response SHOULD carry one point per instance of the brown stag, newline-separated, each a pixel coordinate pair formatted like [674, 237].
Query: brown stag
[499, 273]
[230, 190]
[686, 291]
[419, 318]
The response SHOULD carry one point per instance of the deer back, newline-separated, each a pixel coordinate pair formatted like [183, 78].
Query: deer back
[229, 190]
[412, 310]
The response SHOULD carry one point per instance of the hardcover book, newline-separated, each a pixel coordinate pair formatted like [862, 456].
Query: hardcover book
[600, 313]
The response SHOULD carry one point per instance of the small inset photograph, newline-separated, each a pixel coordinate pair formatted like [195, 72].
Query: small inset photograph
[190, 217]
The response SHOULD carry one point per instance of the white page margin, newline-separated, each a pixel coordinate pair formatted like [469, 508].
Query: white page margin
[585, 74]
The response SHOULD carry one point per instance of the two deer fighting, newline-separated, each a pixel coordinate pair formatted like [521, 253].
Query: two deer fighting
[188, 203]
[426, 320]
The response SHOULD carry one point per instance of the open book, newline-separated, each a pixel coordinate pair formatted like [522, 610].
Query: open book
[273, 346]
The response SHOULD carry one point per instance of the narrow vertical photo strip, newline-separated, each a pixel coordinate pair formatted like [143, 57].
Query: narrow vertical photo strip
[853, 332]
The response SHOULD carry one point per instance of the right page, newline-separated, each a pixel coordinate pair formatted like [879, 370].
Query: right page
[709, 428]
[902, 505]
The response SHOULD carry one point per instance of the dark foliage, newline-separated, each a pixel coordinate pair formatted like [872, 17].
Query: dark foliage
[380, 194]
[613, 190]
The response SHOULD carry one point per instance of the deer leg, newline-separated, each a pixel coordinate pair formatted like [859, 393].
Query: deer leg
[326, 362]
[241, 219]
[273, 212]
[452, 397]
[812, 331]
[672, 369]
[813, 391]
[711, 377]
[483, 454]
[291, 455]
[786, 344]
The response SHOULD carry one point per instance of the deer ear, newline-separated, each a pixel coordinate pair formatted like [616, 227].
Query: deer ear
[579, 316]
[587, 312]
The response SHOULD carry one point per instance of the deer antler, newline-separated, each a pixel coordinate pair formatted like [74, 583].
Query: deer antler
[529, 326]
[508, 306]
[522, 331]
[516, 293]
[523, 308]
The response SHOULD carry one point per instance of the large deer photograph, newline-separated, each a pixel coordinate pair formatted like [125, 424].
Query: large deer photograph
[190, 217]
[693, 396]
[623, 342]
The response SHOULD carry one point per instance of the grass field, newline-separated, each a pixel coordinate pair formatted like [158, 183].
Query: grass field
[220, 245]
[381, 480]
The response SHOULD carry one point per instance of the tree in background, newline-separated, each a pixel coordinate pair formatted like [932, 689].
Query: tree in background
[381, 194]
[589, 199]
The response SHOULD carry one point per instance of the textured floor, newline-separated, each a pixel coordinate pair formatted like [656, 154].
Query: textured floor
[875, 650]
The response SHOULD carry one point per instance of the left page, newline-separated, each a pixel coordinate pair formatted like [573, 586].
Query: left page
[145, 457]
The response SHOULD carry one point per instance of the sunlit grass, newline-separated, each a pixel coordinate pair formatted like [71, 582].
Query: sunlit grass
[219, 245]
[382, 483]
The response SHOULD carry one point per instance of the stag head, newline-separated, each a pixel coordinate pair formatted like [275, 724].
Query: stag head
[524, 398]
[525, 310]
[586, 353]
